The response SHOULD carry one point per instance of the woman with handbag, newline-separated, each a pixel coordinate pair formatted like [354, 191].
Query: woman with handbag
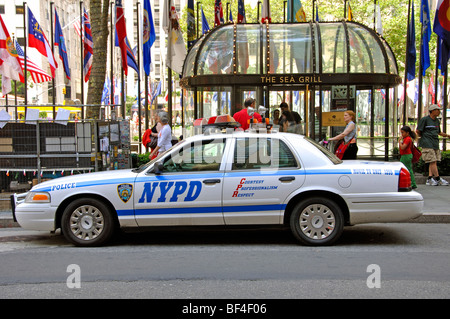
[348, 148]
[405, 144]
[150, 137]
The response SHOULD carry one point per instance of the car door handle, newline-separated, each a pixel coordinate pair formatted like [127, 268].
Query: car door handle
[211, 181]
[287, 179]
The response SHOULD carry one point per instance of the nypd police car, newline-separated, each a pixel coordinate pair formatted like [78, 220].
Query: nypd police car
[242, 178]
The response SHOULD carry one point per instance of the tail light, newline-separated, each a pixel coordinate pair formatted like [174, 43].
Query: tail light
[404, 181]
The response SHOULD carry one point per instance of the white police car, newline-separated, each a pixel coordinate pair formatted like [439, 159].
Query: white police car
[241, 178]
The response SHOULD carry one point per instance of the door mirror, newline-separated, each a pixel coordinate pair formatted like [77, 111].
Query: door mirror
[158, 168]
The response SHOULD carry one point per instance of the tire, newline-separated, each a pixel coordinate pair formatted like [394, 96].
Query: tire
[87, 222]
[317, 221]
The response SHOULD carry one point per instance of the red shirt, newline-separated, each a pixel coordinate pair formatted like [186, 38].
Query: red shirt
[406, 141]
[242, 117]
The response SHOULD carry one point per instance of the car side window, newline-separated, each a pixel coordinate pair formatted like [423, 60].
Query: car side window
[256, 153]
[203, 155]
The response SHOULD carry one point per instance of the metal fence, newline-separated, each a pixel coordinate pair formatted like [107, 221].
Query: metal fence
[33, 151]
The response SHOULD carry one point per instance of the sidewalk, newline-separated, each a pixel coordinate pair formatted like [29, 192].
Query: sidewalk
[436, 207]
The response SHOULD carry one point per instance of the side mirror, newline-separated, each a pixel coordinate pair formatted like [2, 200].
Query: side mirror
[158, 168]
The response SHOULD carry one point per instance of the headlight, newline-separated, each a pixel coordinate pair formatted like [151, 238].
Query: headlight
[37, 197]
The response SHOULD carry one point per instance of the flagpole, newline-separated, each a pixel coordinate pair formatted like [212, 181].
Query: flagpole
[169, 76]
[419, 106]
[82, 59]
[112, 102]
[138, 97]
[406, 64]
[25, 55]
[53, 50]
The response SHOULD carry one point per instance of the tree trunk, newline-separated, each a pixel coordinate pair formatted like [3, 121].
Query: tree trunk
[99, 15]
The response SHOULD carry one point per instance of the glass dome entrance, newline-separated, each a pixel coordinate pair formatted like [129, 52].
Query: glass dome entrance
[317, 67]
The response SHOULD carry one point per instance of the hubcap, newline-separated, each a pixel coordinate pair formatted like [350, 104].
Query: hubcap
[86, 222]
[317, 221]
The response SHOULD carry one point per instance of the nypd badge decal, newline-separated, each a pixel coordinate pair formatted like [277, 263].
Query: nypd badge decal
[125, 191]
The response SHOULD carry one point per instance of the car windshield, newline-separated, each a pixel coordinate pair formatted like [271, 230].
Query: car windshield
[325, 151]
[143, 167]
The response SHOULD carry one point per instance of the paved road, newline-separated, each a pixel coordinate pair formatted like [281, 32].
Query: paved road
[406, 260]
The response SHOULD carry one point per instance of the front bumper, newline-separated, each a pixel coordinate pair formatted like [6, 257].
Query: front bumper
[40, 216]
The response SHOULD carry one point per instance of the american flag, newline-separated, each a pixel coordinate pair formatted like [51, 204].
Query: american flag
[37, 74]
[88, 46]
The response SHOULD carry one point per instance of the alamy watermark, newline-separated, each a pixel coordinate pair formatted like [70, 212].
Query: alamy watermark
[374, 279]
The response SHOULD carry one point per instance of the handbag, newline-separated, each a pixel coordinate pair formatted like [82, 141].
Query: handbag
[342, 147]
[416, 153]
[153, 142]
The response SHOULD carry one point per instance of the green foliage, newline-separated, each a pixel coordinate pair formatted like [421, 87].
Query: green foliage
[139, 159]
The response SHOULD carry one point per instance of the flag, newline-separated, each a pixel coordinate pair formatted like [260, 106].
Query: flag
[190, 24]
[218, 13]
[156, 92]
[131, 60]
[61, 43]
[121, 30]
[38, 40]
[37, 74]
[349, 13]
[176, 49]
[426, 35]
[77, 26]
[88, 46]
[411, 48]
[442, 21]
[205, 25]
[148, 37]
[9, 62]
[241, 12]
[432, 91]
[266, 16]
[105, 93]
[299, 13]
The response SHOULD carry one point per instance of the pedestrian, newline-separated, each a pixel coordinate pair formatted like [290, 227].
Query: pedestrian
[405, 143]
[243, 117]
[348, 136]
[285, 107]
[164, 135]
[429, 130]
[150, 137]
[276, 116]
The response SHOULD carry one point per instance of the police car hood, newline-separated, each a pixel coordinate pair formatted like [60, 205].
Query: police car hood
[99, 178]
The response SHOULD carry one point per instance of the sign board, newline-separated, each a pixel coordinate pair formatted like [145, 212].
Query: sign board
[333, 119]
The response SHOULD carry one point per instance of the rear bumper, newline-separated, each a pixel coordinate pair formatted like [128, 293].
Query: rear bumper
[384, 207]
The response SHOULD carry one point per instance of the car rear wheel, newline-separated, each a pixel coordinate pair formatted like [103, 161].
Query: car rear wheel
[87, 222]
[317, 221]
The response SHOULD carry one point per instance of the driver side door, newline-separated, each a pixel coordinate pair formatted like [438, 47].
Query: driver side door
[188, 191]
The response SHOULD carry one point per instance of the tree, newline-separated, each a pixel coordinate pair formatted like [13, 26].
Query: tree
[99, 17]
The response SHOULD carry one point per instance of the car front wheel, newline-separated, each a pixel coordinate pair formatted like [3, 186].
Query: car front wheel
[317, 221]
[87, 222]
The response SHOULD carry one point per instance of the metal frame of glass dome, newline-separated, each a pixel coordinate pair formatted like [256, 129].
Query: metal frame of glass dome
[312, 57]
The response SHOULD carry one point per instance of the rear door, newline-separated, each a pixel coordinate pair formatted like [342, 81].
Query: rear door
[262, 174]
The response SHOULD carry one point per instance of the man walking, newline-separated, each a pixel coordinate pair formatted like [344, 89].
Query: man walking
[429, 129]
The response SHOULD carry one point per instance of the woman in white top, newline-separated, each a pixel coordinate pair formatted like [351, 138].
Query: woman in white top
[164, 135]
